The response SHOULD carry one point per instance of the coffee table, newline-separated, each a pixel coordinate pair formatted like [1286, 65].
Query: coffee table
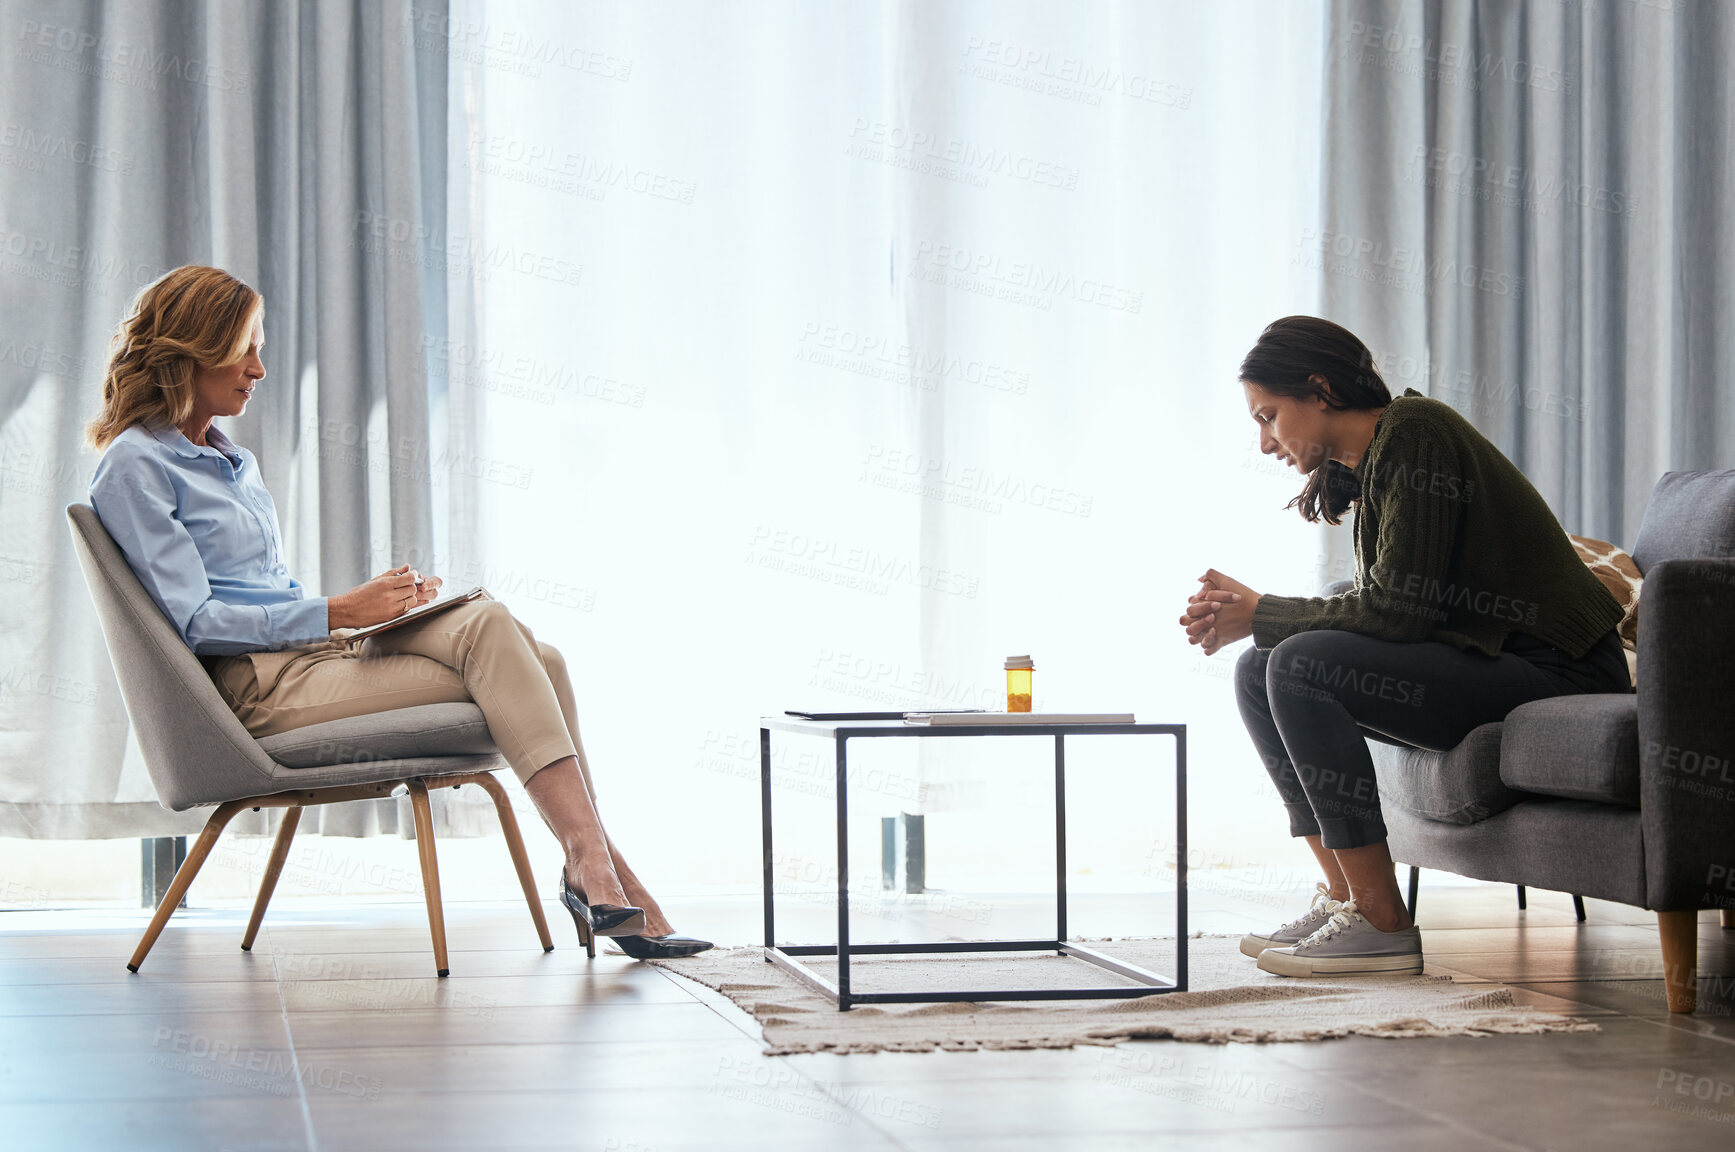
[841, 732]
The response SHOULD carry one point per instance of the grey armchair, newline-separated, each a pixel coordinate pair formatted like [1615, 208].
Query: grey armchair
[1624, 797]
[198, 753]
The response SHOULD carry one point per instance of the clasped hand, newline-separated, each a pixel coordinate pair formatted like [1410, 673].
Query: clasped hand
[1220, 612]
[385, 597]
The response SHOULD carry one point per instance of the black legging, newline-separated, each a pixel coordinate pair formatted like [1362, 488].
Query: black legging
[1310, 702]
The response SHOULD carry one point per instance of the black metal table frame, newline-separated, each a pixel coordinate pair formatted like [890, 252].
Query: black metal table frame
[786, 956]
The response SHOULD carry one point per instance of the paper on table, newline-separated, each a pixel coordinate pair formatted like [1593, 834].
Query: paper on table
[939, 718]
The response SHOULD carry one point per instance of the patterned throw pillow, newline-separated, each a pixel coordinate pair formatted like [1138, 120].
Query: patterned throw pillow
[1621, 577]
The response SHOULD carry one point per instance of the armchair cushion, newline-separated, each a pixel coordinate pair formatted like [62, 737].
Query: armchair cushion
[399, 734]
[1460, 786]
[1575, 747]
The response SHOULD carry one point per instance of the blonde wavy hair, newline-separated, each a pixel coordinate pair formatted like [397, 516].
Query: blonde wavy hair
[190, 318]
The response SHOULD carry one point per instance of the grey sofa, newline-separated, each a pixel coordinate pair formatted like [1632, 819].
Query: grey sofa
[1628, 797]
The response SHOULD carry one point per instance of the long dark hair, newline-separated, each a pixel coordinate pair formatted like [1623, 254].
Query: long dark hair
[1287, 354]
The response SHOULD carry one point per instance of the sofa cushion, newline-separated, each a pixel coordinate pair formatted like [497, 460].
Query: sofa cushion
[1691, 516]
[1576, 747]
[1460, 786]
[1619, 573]
[399, 734]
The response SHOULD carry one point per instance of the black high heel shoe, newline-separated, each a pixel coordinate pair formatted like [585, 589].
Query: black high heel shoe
[593, 920]
[661, 947]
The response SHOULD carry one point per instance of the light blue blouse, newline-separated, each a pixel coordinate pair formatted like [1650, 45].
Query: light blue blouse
[200, 531]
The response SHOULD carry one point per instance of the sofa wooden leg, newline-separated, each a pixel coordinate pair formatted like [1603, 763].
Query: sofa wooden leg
[184, 878]
[273, 867]
[1728, 917]
[430, 871]
[1680, 933]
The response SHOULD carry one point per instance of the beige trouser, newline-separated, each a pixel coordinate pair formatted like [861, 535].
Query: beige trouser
[474, 652]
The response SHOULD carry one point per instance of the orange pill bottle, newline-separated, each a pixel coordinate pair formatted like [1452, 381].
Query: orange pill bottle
[1018, 670]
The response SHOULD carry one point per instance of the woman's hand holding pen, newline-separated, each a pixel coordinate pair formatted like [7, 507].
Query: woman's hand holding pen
[427, 587]
[1220, 612]
[385, 597]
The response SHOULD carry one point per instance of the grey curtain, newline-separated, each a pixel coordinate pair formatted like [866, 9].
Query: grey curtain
[1526, 213]
[302, 146]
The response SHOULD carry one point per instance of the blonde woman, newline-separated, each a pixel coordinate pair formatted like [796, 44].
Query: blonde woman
[188, 509]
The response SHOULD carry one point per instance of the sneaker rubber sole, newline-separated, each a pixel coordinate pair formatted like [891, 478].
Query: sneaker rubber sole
[1283, 963]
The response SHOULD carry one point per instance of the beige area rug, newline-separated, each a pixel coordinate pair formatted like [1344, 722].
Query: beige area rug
[1228, 999]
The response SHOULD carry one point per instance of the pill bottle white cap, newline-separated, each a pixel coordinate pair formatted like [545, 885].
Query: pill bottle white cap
[1013, 662]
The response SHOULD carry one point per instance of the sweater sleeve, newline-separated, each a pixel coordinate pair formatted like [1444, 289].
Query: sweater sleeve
[1405, 586]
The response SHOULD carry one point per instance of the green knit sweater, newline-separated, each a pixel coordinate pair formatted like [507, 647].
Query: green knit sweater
[1453, 544]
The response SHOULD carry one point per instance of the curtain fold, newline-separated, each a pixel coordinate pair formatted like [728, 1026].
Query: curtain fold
[302, 146]
[783, 356]
[1526, 215]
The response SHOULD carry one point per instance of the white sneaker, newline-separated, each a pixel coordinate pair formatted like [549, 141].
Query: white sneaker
[1348, 946]
[1295, 931]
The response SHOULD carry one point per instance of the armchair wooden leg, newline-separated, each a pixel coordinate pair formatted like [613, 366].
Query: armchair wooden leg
[1680, 933]
[430, 871]
[520, 858]
[1727, 916]
[184, 878]
[273, 866]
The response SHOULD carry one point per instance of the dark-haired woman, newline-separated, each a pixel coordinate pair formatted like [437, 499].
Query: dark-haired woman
[1469, 600]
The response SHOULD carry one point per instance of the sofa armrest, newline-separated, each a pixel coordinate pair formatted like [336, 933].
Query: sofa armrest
[1686, 703]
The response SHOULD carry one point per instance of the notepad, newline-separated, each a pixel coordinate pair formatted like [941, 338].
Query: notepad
[415, 614]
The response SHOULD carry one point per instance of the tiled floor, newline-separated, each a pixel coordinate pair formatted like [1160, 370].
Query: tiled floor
[334, 1034]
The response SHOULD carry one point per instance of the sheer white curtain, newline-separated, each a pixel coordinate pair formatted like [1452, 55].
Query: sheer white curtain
[851, 348]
